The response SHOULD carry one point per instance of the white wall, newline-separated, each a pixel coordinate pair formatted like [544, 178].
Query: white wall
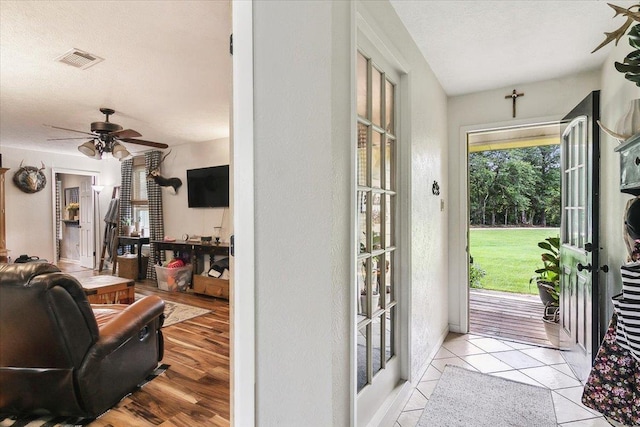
[551, 99]
[179, 219]
[615, 96]
[29, 217]
[294, 211]
[303, 123]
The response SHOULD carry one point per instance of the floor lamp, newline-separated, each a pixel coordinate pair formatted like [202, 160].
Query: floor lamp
[97, 189]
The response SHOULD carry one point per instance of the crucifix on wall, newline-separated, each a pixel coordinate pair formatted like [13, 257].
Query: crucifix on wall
[514, 96]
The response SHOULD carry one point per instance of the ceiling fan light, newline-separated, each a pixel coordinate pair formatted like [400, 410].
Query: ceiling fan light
[88, 149]
[119, 152]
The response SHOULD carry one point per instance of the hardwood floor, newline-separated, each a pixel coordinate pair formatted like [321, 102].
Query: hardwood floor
[195, 390]
[507, 316]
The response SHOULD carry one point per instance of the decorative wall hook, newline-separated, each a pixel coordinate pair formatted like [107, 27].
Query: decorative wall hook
[435, 188]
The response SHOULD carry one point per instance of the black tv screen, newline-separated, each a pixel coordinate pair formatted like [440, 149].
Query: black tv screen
[208, 187]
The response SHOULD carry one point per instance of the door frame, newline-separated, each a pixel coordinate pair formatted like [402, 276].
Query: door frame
[95, 229]
[459, 248]
[242, 297]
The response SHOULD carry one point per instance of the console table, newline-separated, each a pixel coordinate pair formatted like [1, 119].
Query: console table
[194, 249]
[134, 242]
[201, 284]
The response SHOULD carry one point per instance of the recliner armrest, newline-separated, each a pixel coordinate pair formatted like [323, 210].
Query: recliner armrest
[127, 324]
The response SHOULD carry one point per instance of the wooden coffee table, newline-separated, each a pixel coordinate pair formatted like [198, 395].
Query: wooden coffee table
[109, 289]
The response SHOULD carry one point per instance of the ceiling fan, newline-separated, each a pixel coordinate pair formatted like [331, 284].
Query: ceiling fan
[107, 137]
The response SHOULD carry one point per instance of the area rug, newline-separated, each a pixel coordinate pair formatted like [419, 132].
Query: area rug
[176, 312]
[464, 398]
[54, 421]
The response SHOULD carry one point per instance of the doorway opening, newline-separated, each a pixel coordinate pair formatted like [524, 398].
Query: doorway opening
[74, 221]
[514, 204]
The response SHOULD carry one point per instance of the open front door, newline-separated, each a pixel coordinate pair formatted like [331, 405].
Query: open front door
[580, 155]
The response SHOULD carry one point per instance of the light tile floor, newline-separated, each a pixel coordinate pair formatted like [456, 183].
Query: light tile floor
[529, 364]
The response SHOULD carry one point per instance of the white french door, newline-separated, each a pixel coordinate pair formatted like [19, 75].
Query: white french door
[374, 285]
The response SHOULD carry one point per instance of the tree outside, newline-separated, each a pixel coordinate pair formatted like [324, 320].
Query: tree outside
[515, 197]
[517, 187]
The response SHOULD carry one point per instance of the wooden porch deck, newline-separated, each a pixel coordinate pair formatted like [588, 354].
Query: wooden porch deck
[507, 316]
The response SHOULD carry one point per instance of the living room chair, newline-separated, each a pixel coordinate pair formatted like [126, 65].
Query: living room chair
[61, 355]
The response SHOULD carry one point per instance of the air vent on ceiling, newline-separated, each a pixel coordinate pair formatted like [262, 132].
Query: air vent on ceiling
[79, 59]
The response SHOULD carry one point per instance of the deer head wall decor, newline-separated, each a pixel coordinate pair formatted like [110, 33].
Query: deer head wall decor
[154, 175]
[30, 179]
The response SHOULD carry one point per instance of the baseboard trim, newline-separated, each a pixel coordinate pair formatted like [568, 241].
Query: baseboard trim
[392, 406]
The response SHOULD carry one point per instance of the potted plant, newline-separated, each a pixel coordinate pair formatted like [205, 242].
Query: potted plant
[72, 209]
[127, 228]
[367, 284]
[547, 279]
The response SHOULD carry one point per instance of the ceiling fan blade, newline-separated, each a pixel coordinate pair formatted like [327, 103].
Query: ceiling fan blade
[70, 130]
[143, 142]
[65, 139]
[126, 133]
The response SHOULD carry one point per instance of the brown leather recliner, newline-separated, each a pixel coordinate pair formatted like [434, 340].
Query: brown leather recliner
[61, 355]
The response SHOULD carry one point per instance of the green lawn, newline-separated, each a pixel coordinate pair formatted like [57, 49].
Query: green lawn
[509, 256]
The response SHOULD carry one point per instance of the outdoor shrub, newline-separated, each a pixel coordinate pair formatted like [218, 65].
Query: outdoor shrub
[476, 273]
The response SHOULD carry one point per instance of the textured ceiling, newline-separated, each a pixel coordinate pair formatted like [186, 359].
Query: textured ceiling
[481, 45]
[166, 70]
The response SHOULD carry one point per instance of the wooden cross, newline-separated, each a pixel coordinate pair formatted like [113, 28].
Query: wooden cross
[514, 96]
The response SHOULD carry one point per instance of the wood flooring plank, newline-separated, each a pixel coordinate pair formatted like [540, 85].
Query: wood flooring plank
[508, 317]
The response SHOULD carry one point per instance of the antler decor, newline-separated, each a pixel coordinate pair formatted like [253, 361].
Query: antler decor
[30, 179]
[617, 34]
[631, 64]
[154, 174]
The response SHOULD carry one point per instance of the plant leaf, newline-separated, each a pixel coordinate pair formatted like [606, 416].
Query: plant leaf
[545, 245]
[633, 58]
[627, 68]
[633, 78]
[634, 36]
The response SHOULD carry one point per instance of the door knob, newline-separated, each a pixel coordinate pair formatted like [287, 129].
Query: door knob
[604, 268]
[584, 267]
[588, 247]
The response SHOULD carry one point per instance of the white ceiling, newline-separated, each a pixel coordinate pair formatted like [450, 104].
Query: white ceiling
[481, 45]
[166, 70]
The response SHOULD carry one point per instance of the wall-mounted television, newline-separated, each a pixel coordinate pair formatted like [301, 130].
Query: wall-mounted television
[208, 187]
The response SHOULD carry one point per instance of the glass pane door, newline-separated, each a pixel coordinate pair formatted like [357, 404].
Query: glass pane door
[375, 210]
